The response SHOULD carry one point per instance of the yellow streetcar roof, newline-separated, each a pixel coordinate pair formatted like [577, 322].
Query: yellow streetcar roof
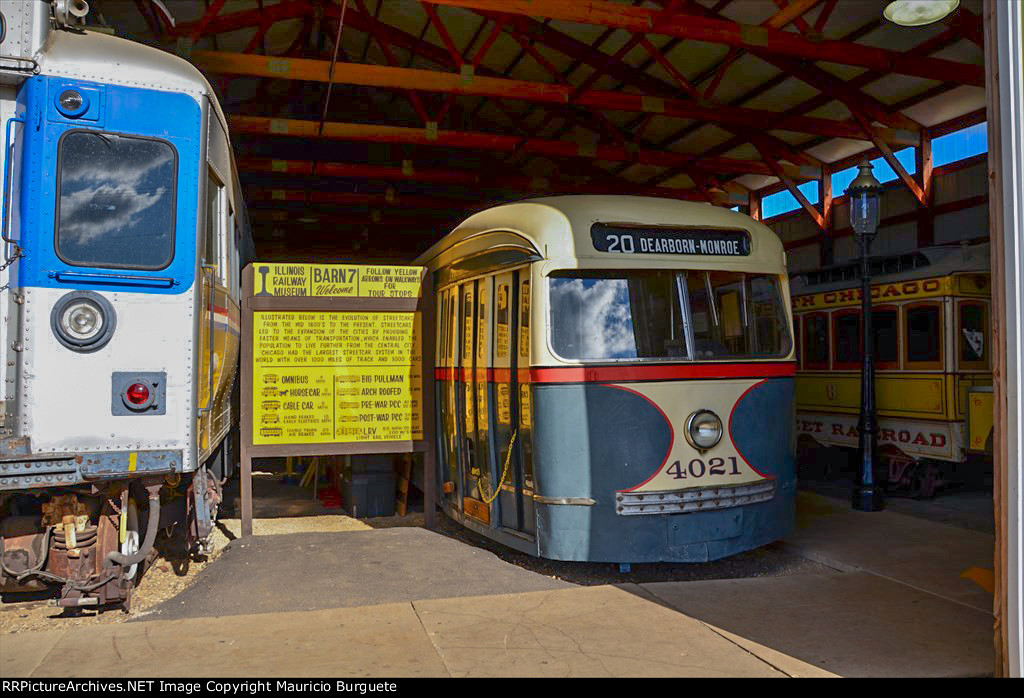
[925, 263]
[559, 227]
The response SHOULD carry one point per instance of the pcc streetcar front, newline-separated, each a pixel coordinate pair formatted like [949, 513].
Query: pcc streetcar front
[615, 379]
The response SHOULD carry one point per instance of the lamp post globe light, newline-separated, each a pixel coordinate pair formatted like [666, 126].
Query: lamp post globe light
[863, 194]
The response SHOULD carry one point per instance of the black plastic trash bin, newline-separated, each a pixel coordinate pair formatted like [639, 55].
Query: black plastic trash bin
[370, 494]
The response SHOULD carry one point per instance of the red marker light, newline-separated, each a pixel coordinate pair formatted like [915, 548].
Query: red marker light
[137, 394]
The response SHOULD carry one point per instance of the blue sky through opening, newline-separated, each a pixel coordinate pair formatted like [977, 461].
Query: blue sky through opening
[952, 147]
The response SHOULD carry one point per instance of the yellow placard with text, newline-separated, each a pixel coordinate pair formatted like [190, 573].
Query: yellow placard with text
[336, 280]
[336, 377]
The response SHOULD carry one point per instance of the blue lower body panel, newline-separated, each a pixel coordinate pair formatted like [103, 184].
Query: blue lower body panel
[593, 441]
[597, 534]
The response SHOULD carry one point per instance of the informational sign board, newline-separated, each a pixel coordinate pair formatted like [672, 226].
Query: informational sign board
[333, 363]
[336, 281]
[336, 377]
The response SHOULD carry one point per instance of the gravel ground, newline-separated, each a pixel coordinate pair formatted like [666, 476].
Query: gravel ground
[169, 575]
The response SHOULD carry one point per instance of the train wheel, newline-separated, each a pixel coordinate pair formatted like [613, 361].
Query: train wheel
[926, 481]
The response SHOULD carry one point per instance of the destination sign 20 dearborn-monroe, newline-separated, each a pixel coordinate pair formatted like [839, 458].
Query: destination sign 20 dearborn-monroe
[683, 241]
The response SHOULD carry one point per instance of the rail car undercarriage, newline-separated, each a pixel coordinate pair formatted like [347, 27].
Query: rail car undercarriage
[94, 541]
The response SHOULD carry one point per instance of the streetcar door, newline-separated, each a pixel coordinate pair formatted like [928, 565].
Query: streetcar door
[513, 419]
[523, 396]
[505, 420]
[448, 344]
[474, 444]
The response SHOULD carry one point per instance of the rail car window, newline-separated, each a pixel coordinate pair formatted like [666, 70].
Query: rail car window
[502, 320]
[115, 198]
[924, 335]
[640, 315]
[885, 326]
[734, 314]
[973, 326]
[816, 345]
[214, 222]
[616, 315]
[797, 337]
[847, 339]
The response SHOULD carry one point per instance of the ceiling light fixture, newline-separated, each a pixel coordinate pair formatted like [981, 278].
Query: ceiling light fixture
[917, 13]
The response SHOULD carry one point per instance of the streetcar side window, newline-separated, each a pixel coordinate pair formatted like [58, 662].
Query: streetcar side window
[770, 329]
[973, 325]
[797, 340]
[885, 326]
[847, 331]
[115, 201]
[502, 322]
[816, 344]
[924, 335]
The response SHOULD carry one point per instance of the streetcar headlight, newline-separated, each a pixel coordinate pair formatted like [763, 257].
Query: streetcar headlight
[83, 321]
[703, 429]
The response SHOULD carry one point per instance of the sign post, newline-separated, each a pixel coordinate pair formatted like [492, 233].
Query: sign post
[337, 359]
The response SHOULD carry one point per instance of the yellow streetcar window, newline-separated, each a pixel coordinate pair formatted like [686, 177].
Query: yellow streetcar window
[816, 349]
[885, 326]
[973, 335]
[924, 335]
[847, 338]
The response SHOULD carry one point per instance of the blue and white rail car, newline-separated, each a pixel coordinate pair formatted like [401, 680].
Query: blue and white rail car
[122, 225]
[615, 379]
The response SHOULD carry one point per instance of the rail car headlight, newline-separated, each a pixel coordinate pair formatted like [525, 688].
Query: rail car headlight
[72, 103]
[83, 321]
[703, 429]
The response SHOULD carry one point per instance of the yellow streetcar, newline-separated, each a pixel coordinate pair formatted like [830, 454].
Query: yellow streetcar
[933, 365]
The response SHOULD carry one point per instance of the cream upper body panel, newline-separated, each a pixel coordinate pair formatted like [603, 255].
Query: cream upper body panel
[558, 229]
[554, 233]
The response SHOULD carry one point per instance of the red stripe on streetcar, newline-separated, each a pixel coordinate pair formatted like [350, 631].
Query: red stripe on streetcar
[615, 374]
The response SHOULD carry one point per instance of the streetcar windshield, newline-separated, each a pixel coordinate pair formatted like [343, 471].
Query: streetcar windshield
[700, 315]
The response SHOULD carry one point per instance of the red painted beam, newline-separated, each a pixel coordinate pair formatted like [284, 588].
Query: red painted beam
[481, 86]
[825, 82]
[291, 218]
[344, 198]
[474, 179]
[376, 133]
[289, 9]
[625, 73]
[644, 20]
[791, 12]
[814, 213]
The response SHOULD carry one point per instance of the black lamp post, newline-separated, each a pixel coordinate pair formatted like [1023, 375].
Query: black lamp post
[863, 197]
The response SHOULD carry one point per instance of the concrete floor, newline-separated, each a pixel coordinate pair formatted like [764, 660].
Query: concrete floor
[898, 597]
